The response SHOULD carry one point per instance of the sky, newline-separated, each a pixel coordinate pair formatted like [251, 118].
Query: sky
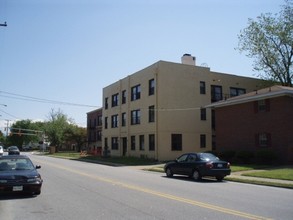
[61, 54]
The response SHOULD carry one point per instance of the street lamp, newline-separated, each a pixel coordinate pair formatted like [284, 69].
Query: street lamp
[4, 105]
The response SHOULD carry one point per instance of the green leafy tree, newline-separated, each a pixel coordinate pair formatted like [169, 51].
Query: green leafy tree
[56, 128]
[80, 137]
[23, 132]
[269, 40]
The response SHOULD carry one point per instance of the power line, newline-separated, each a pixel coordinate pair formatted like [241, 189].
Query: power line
[42, 100]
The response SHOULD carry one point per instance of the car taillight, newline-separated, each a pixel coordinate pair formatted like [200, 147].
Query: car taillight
[209, 165]
[228, 165]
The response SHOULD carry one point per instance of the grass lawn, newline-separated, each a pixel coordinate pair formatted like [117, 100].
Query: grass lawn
[281, 173]
[128, 161]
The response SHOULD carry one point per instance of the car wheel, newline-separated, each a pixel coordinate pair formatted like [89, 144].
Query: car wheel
[196, 175]
[219, 178]
[169, 172]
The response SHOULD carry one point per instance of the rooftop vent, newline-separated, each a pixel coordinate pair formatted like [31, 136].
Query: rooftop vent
[188, 59]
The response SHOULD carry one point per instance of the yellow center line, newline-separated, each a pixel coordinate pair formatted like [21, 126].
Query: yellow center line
[163, 195]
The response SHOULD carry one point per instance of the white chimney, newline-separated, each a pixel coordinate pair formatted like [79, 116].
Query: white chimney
[188, 59]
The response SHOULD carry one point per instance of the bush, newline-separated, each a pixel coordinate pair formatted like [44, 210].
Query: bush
[227, 155]
[265, 156]
[245, 157]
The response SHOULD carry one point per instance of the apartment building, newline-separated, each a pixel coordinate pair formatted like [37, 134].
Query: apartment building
[262, 120]
[94, 131]
[158, 112]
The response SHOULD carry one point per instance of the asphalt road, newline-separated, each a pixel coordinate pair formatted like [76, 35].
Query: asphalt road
[77, 190]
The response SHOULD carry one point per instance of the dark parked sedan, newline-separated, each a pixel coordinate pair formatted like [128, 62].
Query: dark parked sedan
[13, 150]
[198, 165]
[18, 174]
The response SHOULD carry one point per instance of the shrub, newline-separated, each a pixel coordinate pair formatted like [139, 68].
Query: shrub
[245, 156]
[265, 156]
[227, 155]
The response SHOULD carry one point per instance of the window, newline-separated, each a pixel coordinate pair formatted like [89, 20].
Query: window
[151, 142]
[100, 121]
[123, 96]
[114, 144]
[106, 103]
[152, 113]
[236, 91]
[114, 121]
[263, 140]
[99, 135]
[202, 141]
[135, 92]
[141, 142]
[216, 93]
[203, 114]
[106, 122]
[123, 119]
[115, 100]
[135, 117]
[202, 87]
[151, 86]
[106, 143]
[132, 139]
[262, 106]
[176, 142]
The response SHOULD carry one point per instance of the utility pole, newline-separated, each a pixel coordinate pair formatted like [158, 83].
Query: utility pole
[4, 25]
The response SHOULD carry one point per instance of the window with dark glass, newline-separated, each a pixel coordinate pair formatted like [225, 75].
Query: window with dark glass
[203, 114]
[262, 105]
[135, 92]
[123, 119]
[202, 141]
[115, 100]
[132, 140]
[114, 144]
[176, 142]
[141, 142]
[151, 142]
[99, 135]
[135, 117]
[152, 113]
[151, 86]
[106, 103]
[123, 96]
[106, 142]
[216, 93]
[106, 122]
[236, 91]
[114, 121]
[263, 140]
[202, 87]
[100, 120]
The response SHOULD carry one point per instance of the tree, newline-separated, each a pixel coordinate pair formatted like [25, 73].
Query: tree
[23, 132]
[269, 39]
[56, 127]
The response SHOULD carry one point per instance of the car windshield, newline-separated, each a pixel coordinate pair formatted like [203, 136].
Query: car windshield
[15, 164]
[13, 148]
[208, 157]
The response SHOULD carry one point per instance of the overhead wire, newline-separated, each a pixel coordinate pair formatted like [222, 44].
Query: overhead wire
[42, 100]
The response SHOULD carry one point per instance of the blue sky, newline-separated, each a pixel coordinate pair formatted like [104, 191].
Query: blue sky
[68, 50]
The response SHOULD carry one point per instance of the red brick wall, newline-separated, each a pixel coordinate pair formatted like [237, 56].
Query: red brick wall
[237, 125]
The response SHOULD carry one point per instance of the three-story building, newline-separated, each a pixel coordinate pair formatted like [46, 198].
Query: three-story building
[158, 112]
